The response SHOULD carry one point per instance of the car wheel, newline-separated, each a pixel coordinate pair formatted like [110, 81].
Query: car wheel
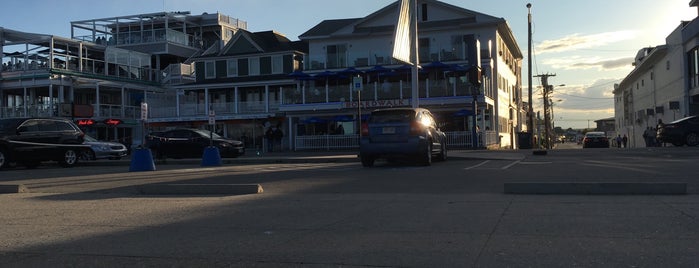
[692, 139]
[70, 158]
[443, 153]
[87, 155]
[426, 158]
[367, 161]
[3, 159]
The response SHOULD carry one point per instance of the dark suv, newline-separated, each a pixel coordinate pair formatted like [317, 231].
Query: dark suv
[29, 141]
[401, 133]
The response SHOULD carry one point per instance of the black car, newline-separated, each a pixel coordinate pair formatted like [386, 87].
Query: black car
[402, 133]
[29, 141]
[190, 143]
[680, 132]
[595, 139]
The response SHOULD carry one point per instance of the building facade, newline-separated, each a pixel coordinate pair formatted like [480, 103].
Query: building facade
[207, 67]
[662, 87]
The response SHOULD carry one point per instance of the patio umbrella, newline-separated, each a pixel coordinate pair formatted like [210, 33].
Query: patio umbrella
[351, 71]
[314, 120]
[343, 118]
[298, 74]
[436, 65]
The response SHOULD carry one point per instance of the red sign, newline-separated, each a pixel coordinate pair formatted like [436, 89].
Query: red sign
[85, 122]
[112, 122]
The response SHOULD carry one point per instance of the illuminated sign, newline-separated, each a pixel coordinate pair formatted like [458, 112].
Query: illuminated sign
[85, 122]
[112, 122]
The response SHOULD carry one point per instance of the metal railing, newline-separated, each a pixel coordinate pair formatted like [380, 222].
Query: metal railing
[455, 140]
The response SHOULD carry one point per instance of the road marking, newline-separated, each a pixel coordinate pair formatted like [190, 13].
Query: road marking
[512, 164]
[475, 166]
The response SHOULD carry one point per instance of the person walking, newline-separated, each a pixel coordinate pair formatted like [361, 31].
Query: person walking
[625, 140]
[618, 141]
[278, 135]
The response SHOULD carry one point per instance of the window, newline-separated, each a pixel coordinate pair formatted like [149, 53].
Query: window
[232, 67]
[277, 64]
[424, 12]
[336, 56]
[210, 69]
[254, 66]
[424, 49]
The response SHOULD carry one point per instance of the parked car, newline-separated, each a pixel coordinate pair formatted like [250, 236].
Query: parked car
[103, 150]
[190, 143]
[29, 141]
[680, 132]
[401, 133]
[595, 139]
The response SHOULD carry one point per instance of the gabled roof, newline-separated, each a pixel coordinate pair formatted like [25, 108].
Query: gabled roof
[328, 27]
[245, 42]
[469, 18]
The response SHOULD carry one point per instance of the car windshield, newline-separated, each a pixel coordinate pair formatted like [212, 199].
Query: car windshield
[90, 139]
[392, 116]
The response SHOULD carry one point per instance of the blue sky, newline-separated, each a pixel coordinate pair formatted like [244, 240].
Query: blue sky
[589, 45]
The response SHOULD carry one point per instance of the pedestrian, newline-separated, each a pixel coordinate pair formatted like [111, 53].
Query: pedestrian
[278, 135]
[647, 137]
[625, 140]
[269, 137]
[618, 141]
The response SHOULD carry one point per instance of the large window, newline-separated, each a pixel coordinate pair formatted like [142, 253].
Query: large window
[693, 67]
[232, 67]
[210, 69]
[254, 64]
[336, 56]
[277, 64]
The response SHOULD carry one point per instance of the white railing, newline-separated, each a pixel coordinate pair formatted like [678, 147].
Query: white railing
[327, 142]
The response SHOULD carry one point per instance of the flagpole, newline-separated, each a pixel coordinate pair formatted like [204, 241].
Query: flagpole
[416, 61]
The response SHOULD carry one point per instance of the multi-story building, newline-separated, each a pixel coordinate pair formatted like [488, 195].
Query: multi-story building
[194, 67]
[106, 70]
[663, 86]
[309, 87]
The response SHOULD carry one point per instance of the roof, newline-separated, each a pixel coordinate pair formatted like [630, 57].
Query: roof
[470, 18]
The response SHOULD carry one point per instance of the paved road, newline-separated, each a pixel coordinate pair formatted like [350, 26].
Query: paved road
[336, 213]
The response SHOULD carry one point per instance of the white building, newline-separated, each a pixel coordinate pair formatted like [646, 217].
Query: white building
[664, 84]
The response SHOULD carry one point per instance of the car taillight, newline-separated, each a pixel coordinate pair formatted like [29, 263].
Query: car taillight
[365, 129]
[416, 128]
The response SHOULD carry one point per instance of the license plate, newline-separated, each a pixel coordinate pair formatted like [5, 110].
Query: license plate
[389, 130]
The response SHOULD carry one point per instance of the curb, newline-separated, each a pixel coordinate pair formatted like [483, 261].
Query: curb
[199, 189]
[13, 188]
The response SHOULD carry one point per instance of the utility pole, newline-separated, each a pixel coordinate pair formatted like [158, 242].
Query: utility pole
[547, 112]
[530, 110]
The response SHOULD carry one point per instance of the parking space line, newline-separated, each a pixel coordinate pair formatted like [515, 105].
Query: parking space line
[475, 166]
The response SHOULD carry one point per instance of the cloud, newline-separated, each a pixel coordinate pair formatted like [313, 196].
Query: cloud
[577, 41]
[579, 62]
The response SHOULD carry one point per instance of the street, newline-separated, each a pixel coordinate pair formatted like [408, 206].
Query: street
[331, 214]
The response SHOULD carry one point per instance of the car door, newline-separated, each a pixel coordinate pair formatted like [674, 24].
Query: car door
[180, 143]
[33, 142]
[434, 132]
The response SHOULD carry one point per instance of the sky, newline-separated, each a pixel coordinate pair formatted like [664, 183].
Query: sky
[588, 45]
